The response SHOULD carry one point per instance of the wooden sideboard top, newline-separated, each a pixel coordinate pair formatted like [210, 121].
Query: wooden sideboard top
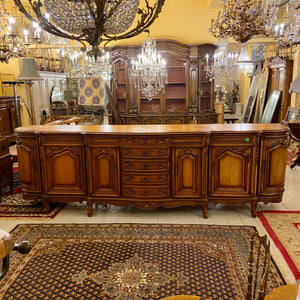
[150, 129]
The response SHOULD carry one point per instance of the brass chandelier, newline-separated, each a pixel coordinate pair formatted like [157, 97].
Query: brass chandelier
[241, 20]
[92, 21]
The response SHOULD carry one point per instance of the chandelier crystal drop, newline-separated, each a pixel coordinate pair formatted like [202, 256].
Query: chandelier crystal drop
[284, 22]
[149, 71]
[92, 21]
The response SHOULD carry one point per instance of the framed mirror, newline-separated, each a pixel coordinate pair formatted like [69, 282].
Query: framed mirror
[263, 83]
[271, 104]
[250, 104]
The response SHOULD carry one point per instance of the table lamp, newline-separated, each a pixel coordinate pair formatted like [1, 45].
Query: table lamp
[29, 74]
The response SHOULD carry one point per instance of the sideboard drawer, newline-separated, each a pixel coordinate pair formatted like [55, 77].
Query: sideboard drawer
[146, 165]
[146, 179]
[145, 152]
[137, 192]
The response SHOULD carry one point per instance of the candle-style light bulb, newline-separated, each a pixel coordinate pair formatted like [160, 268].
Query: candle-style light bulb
[11, 21]
[26, 32]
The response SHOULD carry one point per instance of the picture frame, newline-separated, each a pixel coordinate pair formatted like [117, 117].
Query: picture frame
[250, 103]
[271, 104]
[291, 114]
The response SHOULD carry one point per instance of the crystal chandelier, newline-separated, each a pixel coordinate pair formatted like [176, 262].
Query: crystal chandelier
[92, 21]
[241, 20]
[99, 66]
[11, 42]
[224, 67]
[149, 71]
[284, 21]
[81, 64]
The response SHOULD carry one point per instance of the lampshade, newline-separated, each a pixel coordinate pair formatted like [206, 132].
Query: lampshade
[28, 70]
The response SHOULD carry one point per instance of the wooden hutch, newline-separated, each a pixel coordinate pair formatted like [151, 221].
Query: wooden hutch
[188, 96]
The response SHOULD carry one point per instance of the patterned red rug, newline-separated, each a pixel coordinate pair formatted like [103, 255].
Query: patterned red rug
[284, 228]
[130, 261]
[13, 205]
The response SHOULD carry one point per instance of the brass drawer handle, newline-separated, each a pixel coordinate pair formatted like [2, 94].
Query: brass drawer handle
[145, 192]
[145, 179]
[145, 166]
[145, 153]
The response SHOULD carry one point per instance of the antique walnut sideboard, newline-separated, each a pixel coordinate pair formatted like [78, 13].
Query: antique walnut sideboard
[153, 165]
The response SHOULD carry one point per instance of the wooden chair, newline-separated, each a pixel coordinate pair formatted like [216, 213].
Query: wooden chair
[7, 245]
[259, 264]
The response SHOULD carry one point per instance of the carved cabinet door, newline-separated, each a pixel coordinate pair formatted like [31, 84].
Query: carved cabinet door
[272, 165]
[64, 169]
[231, 171]
[29, 164]
[103, 171]
[188, 168]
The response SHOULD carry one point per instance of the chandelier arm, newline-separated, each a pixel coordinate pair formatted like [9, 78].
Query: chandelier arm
[282, 3]
[112, 10]
[94, 35]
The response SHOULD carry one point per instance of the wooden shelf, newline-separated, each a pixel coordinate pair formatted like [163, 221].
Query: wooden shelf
[175, 83]
[175, 98]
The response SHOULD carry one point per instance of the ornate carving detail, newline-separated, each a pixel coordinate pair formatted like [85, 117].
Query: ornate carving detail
[118, 54]
[128, 178]
[239, 151]
[163, 152]
[282, 141]
[53, 151]
[147, 205]
[164, 191]
[192, 109]
[163, 165]
[145, 141]
[257, 145]
[232, 139]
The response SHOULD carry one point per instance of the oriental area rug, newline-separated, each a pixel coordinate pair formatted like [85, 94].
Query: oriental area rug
[130, 261]
[284, 228]
[13, 205]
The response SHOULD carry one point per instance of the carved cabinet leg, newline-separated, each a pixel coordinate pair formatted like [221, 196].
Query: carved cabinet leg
[90, 207]
[205, 210]
[253, 208]
[46, 205]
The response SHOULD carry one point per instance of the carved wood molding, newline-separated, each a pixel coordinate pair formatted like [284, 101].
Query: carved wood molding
[145, 141]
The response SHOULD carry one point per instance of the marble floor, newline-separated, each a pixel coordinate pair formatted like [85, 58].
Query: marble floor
[218, 214]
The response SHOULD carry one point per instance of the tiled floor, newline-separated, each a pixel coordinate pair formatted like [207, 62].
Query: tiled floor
[219, 214]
